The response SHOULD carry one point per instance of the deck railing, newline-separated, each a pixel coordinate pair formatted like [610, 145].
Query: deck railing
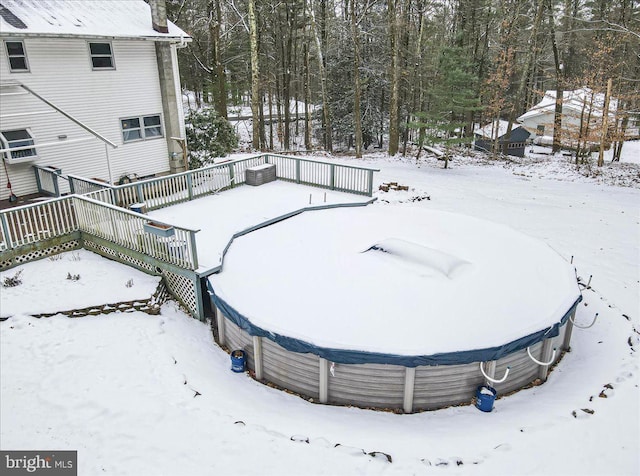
[171, 189]
[47, 180]
[28, 224]
[101, 209]
[135, 231]
[82, 186]
[32, 223]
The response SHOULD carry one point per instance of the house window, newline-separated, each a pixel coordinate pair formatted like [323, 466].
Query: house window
[141, 128]
[18, 139]
[101, 55]
[540, 130]
[17, 56]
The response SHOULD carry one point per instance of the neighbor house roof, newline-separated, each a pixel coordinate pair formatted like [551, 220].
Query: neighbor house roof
[573, 100]
[489, 131]
[130, 19]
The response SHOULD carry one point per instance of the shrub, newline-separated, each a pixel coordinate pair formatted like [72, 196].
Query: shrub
[209, 136]
[12, 281]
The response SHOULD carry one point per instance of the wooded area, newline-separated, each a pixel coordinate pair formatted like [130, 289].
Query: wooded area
[389, 73]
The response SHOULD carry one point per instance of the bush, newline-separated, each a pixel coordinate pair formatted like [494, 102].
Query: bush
[12, 281]
[209, 136]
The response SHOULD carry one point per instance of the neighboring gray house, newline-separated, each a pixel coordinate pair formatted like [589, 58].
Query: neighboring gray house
[484, 138]
[89, 87]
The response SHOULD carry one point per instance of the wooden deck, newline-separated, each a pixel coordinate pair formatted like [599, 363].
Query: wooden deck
[23, 200]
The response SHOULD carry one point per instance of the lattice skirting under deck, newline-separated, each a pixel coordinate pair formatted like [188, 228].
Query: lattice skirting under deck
[183, 288]
[39, 254]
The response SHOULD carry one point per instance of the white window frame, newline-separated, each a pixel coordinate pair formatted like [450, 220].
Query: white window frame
[111, 56]
[142, 128]
[24, 55]
[6, 144]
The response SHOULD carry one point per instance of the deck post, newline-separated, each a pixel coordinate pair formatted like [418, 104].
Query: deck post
[56, 186]
[199, 299]
[194, 250]
[566, 343]
[297, 170]
[113, 195]
[370, 187]
[324, 380]
[140, 193]
[545, 356]
[189, 186]
[38, 181]
[221, 320]
[5, 231]
[231, 175]
[409, 383]
[257, 357]
[332, 182]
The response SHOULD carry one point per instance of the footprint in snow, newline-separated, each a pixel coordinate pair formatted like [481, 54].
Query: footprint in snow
[349, 450]
[582, 413]
[269, 432]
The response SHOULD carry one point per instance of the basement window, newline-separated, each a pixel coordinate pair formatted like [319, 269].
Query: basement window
[101, 56]
[17, 56]
[21, 140]
[141, 128]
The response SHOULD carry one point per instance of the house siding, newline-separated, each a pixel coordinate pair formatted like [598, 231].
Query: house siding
[570, 125]
[61, 72]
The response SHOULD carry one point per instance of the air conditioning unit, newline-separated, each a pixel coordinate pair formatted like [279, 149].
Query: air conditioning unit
[260, 174]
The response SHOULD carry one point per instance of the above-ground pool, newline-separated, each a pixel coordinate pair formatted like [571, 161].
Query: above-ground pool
[394, 307]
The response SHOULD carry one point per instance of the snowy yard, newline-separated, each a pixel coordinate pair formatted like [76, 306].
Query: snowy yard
[150, 395]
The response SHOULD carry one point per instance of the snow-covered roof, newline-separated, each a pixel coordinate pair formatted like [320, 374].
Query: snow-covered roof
[572, 100]
[489, 131]
[82, 18]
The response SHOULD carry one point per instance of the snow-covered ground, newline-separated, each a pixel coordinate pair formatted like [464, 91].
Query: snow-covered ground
[149, 395]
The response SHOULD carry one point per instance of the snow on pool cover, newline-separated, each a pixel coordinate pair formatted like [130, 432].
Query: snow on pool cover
[396, 282]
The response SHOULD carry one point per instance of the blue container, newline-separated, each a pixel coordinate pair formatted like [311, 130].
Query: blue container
[137, 207]
[238, 361]
[485, 396]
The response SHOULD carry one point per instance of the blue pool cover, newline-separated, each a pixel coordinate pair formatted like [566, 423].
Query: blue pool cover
[342, 356]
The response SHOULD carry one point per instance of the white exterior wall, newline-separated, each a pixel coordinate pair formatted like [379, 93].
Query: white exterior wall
[61, 72]
[570, 125]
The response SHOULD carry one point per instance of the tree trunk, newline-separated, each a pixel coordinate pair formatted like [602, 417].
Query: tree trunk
[326, 116]
[559, 71]
[255, 76]
[307, 100]
[394, 71]
[219, 80]
[605, 123]
[357, 116]
[530, 58]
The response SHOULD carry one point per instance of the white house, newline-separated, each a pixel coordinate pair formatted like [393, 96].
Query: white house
[90, 87]
[579, 105]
